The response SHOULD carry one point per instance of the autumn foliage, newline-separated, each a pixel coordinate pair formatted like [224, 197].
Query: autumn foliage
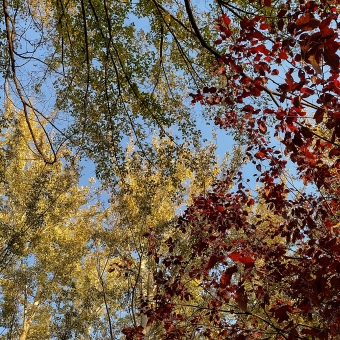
[266, 264]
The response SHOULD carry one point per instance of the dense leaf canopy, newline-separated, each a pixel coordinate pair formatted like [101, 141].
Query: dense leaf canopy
[99, 72]
[268, 262]
[115, 82]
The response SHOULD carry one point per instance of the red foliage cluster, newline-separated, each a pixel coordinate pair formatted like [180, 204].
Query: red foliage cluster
[272, 275]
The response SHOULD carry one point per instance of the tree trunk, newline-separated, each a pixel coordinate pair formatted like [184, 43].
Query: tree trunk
[29, 315]
[144, 318]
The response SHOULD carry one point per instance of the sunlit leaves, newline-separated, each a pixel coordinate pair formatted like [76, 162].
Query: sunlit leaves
[267, 256]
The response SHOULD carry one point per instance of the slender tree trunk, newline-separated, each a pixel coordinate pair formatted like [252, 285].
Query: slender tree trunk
[87, 335]
[29, 315]
[144, 318]
[25, 331]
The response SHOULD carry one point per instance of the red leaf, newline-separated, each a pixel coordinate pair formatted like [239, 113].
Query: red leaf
[318, 116]
[324, 261]
[225, 280]
[309, 155]
[303, 20]
[334, 152]
[226, 19]
[268, 3]
[281, 313]
[241, 299]
[282, 13]
[250, 202]
[297, 101]
[247, 261]
[283, 55]
[289, 80]
[248, 108]
[307, 23]
[332, 60]
[240, 337]
[213, 260]
[260, 155]
[226, 276]
[297, 139]
[305, 90]
[235, 256]
[235, 68]
[305, 307]
[312, 23]
[306, 132]
[327, 32]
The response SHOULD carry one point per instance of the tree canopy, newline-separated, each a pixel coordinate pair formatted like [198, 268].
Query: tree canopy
[169, 242]
[103, 71]
[268, 261]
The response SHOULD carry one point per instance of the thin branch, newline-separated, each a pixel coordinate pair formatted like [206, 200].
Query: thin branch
[87, 54]
[108, 314]
[10, 30]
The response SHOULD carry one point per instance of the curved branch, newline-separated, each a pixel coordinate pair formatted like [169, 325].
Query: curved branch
[10, 38]
[197, 31]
